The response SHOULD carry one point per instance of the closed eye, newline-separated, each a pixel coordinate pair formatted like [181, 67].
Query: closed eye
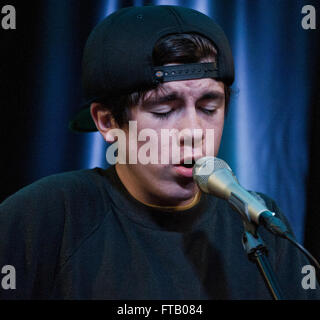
[208, 111]
[162, 115]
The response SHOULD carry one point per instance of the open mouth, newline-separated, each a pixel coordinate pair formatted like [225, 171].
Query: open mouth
[188, 165]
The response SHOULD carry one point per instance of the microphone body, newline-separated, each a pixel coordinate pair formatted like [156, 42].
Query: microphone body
[223, 184]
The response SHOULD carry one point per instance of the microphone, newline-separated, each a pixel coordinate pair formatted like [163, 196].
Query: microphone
[215, 177]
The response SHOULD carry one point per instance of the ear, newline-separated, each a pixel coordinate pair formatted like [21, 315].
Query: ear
[104, 121]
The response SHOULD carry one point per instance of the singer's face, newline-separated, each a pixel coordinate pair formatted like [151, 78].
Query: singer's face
[189, 104]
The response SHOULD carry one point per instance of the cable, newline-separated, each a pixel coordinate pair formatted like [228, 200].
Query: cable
[277, 227]
[304, 250]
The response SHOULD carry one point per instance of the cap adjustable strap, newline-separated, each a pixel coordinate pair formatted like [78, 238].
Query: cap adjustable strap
[185, 72]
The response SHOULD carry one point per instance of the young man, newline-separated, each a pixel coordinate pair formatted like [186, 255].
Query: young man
[142, 230]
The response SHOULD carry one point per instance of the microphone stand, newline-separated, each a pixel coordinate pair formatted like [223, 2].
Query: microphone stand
[257, 252]
[256, 249]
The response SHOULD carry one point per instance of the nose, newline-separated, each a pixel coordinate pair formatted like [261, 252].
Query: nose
[190, 128]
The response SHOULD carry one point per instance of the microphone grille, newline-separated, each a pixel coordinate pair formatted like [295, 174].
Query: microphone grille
[204, 167]
[220, 164]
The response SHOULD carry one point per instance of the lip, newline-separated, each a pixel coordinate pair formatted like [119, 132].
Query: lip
[183, 171]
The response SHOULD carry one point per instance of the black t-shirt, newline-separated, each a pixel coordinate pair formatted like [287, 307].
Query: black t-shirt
[81, 235]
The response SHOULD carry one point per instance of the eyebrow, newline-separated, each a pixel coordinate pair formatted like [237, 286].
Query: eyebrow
[209, 95]
[161, 99]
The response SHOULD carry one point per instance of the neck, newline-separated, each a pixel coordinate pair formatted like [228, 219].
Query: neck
[135, 187]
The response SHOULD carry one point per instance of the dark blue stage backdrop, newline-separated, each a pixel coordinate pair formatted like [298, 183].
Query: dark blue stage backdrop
[266, 137]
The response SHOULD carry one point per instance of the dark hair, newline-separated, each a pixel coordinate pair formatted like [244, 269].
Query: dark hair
[176, 48]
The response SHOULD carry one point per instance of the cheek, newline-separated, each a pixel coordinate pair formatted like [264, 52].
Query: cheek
[143, 143]
[217, 138]
[217, 141]
[213, 136]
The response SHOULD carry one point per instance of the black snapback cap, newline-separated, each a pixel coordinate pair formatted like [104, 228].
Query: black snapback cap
[117, 58]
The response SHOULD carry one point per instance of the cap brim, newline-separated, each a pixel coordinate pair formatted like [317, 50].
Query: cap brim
[83, 122]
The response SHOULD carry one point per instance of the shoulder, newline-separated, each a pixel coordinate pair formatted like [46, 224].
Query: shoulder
[57, 186]
[59, 198]
[49, 219]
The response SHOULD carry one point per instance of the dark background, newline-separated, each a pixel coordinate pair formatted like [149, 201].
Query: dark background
[278, 91]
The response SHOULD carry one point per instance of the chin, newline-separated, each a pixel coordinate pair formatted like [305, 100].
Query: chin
[177, 193]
